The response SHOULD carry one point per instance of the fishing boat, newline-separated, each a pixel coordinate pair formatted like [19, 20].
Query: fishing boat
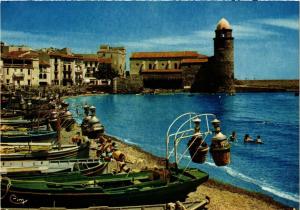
[42, 151]
[76, 190]
[28, 136]
[87, 167]
[151, 186]
[22, 122]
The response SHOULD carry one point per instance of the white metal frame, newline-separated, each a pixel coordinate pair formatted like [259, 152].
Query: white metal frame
[184, 133]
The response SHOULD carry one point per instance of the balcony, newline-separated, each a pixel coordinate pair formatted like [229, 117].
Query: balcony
[19, 66]
[18, 76]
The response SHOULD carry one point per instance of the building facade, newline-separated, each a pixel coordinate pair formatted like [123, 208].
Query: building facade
[189, 69]
[117, 56]
[21, 66]
[162, 69]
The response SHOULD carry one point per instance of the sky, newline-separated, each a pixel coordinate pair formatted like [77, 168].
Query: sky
[266, 44]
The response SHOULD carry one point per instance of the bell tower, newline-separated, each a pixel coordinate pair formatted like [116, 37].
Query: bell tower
[223, 71]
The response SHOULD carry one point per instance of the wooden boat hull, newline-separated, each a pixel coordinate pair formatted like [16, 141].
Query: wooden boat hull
[30, 137]
[66, 151]
[80, 196]
[88, 167]
[22, 122]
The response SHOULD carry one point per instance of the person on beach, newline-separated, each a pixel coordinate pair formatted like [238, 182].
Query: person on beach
[232, 137]
[76, 139]
[247, 138]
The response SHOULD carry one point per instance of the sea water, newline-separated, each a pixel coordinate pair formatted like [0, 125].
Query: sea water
[271, 168]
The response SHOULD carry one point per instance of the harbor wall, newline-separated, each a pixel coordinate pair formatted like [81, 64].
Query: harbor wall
[266, 85]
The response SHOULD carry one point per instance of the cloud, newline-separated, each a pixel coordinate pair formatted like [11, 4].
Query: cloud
[289, 23]
[252, 31]
[34, 39]
[195, 40]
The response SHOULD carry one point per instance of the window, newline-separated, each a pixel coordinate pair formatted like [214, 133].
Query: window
[7, 71]
[28, 71]
[40, 76]
[150, 66]
[137, 64]
[7, 81]
[45, 76]
[175, 66]
[29, 82]
[21, 70]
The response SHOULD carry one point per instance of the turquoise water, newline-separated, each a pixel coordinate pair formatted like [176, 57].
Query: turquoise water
[271, 168]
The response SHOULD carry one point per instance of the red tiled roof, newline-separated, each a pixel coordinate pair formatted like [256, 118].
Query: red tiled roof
[195, 60]
[93, 58]
[57, 54]
[20, 55]
[44, 63]
[182, 54]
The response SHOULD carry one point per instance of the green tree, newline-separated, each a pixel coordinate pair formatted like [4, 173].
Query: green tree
[105, 71]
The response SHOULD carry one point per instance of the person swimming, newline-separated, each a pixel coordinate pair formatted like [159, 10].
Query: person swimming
[247, 138]
[232, 137]
[258, 140]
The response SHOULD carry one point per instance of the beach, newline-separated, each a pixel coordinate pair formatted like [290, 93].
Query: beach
[222, 196]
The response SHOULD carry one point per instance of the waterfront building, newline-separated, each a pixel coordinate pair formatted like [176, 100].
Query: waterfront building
[62, 64]
[189, 69]
[161, 69]
[20, 68]
[117, 56]
[88, 65]
[50, 66]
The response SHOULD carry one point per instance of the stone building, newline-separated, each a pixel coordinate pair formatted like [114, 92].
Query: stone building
[117, 56]
[161, 69]
[189, 69]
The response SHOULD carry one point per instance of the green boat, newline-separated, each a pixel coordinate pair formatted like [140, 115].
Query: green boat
[78, 191]
[168, 184]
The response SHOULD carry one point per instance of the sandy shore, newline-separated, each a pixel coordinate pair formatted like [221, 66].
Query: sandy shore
[222, 196]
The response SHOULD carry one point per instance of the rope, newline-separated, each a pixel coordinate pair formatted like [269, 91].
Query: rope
[7, 186]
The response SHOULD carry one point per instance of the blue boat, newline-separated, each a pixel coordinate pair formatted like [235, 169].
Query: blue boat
[28, 136]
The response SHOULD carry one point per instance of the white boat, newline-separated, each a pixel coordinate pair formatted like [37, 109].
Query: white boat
[84, 166]
[42, 151]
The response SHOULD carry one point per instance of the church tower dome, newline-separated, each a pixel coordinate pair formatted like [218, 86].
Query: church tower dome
[223, 24]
